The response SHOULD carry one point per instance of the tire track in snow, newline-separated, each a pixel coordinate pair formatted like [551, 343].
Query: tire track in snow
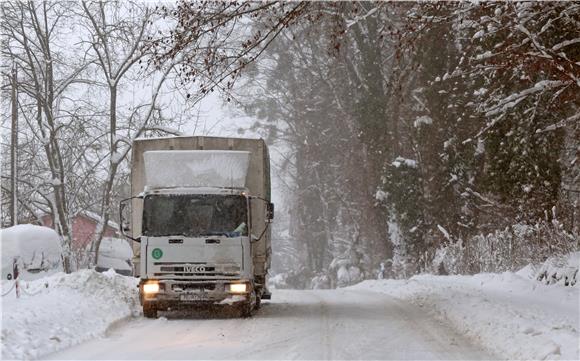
[350, 325]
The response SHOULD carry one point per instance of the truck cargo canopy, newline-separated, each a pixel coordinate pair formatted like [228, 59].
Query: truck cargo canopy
[196, 168]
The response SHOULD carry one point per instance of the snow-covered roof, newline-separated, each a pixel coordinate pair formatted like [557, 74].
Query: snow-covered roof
[97, 218]
[88, 214]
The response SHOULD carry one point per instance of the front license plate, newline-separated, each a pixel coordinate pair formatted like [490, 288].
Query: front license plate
[193, 297]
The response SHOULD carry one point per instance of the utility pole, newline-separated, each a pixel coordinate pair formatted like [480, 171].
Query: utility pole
[13, 151]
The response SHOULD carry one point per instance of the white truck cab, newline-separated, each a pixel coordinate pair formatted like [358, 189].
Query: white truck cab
[203, 224]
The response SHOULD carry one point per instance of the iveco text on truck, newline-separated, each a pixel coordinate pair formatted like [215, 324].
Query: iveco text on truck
[200, 217]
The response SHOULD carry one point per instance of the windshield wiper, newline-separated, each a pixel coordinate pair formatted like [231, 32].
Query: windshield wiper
[214, 234]
[205, 234]
[168, 235]
[222, 233]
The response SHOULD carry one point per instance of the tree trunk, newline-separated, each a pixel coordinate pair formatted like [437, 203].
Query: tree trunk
[114, 164]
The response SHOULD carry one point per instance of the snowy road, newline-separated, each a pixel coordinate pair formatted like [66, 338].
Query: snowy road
[333, 324]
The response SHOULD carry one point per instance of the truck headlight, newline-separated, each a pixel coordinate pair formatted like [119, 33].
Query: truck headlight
[238, 288]
[149, 288]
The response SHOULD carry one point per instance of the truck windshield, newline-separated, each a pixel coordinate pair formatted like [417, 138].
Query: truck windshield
[195, 215]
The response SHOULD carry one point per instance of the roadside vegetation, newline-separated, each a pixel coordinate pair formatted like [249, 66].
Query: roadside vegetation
[408, 137]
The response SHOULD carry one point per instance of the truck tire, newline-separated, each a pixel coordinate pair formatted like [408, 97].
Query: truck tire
[246, 309]
[149, 310]
[258, 303]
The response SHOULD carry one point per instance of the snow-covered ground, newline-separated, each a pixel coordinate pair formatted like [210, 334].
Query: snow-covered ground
[509, 314]
[304, 325]
[486, 316]
[60, 311]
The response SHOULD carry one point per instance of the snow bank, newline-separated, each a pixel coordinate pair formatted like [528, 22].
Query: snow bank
[62, 310]
[511, 316]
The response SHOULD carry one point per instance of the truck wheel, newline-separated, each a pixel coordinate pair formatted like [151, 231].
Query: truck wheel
[149, 310]
[258, 303]
[246, 309]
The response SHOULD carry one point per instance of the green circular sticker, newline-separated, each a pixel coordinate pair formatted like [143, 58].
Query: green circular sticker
[157, 253]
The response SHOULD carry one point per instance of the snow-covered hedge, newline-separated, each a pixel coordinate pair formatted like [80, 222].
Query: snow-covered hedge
[562, 270]
[509, 250]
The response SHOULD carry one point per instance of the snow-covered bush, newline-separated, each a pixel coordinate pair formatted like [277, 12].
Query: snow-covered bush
[562, 270]
[400, 193]
[345, 270]
[348, 275]
[320, 281]
[277, 281]
[294, 279]
[449, 259]
[509, 249]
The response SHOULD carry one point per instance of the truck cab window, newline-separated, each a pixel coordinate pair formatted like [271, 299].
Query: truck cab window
[195, 215]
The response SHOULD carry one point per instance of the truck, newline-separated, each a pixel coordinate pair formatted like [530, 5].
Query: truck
[200, 216]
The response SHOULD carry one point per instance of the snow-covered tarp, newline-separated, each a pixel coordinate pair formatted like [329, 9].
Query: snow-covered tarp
[62, 310]
[511, 315]
[196, 168]
[115, 253]
[36, 250]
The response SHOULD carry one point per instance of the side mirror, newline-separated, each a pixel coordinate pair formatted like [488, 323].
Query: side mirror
[124, 228]
[269, 211]
[269, 208]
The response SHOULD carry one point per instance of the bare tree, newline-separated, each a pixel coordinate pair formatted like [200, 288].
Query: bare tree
[47, 73]
[118, 33]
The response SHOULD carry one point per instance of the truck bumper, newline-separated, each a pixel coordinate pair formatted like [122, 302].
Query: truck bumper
[175, 293]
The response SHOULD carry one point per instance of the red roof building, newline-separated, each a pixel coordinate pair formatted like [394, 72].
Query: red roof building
[84, 226]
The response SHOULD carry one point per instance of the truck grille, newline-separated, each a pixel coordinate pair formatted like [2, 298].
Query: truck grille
[195, 269]
[193, 287]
